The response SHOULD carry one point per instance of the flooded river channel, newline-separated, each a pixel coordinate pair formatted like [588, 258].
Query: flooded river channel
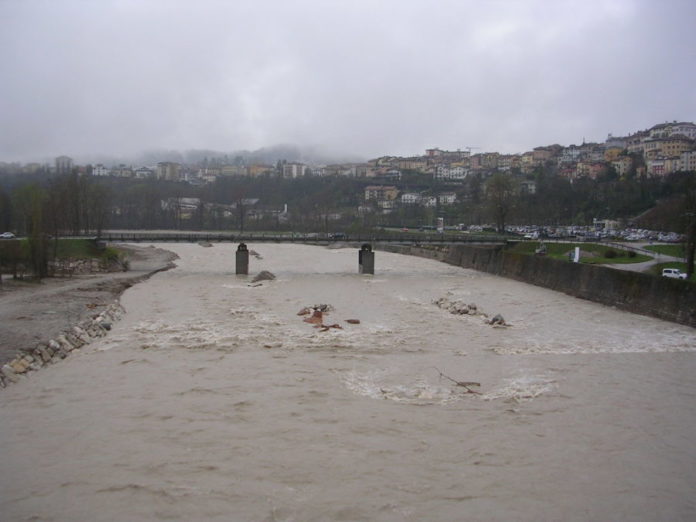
[213, 400]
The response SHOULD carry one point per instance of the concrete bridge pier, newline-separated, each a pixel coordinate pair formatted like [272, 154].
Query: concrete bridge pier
[242, 261]
[366, 259]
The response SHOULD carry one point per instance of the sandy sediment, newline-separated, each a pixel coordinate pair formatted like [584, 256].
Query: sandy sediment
[33, 313]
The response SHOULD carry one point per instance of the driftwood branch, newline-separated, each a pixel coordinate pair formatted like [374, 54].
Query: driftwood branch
[464, 384]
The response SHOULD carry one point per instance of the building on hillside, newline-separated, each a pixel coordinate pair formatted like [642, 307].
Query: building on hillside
[184, 208]
[100, 170]
[386, 205]
[143, 173]
[169, 171]
[438, 156]
[673, 164]
[528, 186]
[381, 192]
[411, 164]
[122, 171]
[508, 161]
[666, 130]
[410, 198]
[447, 198]
[612, 153]
[541, 155]
[688, 161]
[450, 173]
[429, 201]
[655, 167]
[634, 143]
[590, 169]
[233, 170]
[260, 169]
[570, 154]
[667, 147]
[622, 165]
[489, 160]
[392, 175]
[64, 165]
[615, 142]
[294, 170]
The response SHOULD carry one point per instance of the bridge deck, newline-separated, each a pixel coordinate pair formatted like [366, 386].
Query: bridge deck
[195, 237]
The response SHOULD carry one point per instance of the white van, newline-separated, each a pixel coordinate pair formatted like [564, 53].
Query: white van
[673, 272]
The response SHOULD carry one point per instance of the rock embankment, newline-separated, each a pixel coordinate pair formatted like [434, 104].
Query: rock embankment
[42, 323]
[59, 348]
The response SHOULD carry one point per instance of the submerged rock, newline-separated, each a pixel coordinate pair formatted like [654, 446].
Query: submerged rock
[264, 275]
[497, 319]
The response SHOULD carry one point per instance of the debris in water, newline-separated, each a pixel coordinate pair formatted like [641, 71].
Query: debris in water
[464, 384]
[326, 327]
[317, 318]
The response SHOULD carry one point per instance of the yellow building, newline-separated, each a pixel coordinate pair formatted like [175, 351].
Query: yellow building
[612, 153]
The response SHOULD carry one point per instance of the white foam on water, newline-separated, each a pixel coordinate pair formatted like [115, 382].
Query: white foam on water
[522, 388]
[380, 384]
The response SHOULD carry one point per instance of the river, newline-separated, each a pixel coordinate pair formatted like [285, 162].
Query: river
[213, 400]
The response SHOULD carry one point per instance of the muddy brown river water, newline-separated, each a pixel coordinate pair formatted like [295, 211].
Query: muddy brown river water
[213, 400]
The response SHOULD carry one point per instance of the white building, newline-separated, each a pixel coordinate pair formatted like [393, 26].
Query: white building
[100, 170]
[294, 170]
[410, 198]
[447, 198]
[144, 173]
[688, 160]
[450, 173]
[429, 201]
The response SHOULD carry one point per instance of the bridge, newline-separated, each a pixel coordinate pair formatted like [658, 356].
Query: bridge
[310, 238]
[366, 256]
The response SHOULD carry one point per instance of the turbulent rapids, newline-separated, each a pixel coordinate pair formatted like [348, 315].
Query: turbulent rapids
[212, 399]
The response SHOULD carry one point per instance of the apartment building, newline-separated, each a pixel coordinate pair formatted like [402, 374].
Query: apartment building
[381, 193]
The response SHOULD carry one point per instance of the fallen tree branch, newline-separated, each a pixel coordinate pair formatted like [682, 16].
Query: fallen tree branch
[464, 384]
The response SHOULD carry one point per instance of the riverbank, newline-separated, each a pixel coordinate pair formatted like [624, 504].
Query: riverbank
[33, 313]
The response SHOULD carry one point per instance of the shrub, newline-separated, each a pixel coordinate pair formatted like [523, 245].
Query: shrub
[632, 253]
[610, 254]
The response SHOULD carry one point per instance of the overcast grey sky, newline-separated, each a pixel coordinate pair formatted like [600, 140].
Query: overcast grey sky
[356, 77]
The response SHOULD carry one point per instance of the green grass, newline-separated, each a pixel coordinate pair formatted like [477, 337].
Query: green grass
[63, 249]
[74, 248]
[657, 269]
[667, 250]
[560, 251]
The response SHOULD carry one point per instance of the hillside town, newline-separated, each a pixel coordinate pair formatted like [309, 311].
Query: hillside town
[660, 150]
[222, 191]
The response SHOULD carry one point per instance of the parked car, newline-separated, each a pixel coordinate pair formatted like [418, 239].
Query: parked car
[673, 272]
[7, 235]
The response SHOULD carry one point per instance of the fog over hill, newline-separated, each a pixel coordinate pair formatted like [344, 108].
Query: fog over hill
[362, 78]
[266, 155]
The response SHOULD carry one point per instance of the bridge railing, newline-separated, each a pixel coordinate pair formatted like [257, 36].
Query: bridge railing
[195, 237]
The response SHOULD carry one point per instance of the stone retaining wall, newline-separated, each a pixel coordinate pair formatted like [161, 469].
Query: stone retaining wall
[669, 299]
[54, 350]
